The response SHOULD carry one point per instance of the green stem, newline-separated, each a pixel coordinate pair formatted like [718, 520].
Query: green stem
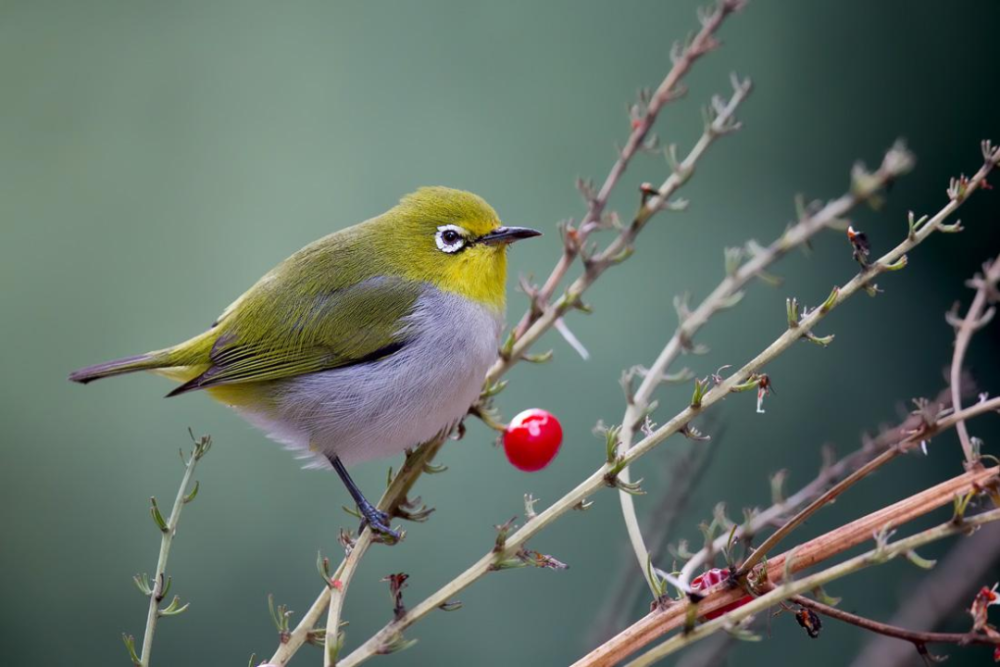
[166, 541]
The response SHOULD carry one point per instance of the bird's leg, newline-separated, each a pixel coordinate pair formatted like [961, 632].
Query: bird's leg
[375, 518]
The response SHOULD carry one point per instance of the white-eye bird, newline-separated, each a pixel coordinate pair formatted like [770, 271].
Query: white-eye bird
[362, 344]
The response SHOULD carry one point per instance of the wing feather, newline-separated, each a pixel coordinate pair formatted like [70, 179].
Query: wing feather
[265, 338]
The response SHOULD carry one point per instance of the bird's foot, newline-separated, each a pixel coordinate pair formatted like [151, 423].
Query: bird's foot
[378, 521]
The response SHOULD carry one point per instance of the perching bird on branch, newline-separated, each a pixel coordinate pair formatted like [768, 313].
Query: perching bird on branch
[362, 344]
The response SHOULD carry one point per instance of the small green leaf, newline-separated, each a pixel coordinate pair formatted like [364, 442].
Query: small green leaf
[174, 608]
[130, 645]
[920, 561]
[154, 511]
[831, 300]
[194, 493]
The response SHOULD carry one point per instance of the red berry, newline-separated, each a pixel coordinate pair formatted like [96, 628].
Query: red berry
[532, 440]
[710, 579]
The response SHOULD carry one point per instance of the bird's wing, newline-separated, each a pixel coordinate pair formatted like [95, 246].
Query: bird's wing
[267, 338]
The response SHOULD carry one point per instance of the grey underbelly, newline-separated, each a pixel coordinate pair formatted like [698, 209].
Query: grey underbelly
[379, 409]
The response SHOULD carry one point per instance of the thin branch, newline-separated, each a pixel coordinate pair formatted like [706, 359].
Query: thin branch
[668, 91]
[779, 513]
[953, 582]
[622, 246]
[606, 474]
[669, 617]
[896, 162]
[684, 476]
[723, 123]
[922, 435]
[918, 639]
[401, 484]
[986, 292]
[884, 552]
[160, 585]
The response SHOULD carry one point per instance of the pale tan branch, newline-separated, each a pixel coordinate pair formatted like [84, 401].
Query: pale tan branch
[605, 475]
[668, 91]
[881, 554]
[896, 162]
[661, 621]
[986, 292]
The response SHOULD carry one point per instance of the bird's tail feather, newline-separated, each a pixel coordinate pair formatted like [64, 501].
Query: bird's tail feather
[142, 362]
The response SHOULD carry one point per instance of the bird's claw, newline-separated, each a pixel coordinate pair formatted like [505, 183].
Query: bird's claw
[379, 521]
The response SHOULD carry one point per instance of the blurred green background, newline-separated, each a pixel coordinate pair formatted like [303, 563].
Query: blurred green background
[156, 158]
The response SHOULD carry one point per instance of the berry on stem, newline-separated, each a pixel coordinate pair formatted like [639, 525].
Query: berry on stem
[710, 579]
[532, 440]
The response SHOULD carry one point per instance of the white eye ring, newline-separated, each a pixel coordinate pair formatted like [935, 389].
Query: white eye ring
[446, 238]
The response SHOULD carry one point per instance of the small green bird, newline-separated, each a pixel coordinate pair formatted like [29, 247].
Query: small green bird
[362, 344]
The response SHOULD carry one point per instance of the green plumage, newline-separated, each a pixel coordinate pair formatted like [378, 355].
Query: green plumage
[338, 301]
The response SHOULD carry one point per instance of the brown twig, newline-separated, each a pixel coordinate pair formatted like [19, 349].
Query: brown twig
[824, 547]
[883, 552]
[865, 186]
[918, 639]
[722, 122]
[778, 513]
[951, 585]
[975, 319]
[668, 91]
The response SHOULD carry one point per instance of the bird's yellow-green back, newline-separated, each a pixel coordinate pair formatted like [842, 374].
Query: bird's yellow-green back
[341, 299]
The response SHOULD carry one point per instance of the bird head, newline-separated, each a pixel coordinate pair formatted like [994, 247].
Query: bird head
[454, 240]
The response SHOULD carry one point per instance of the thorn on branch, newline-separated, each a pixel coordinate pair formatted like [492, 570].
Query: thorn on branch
[701, 387]
[691, 433]
[583, 505]
[860, 244]
[529, 507]
[280, 616]
[395, 644]
[154, 511]
[502, 531]
[958, 188]
[792, 309]
[397, 582]
[323, 567]
[130, 646]
[413, 510]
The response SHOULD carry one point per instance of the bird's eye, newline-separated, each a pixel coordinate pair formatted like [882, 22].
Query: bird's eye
[449, 238]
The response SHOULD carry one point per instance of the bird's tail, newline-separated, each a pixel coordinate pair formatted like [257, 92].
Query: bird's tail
[143, 362]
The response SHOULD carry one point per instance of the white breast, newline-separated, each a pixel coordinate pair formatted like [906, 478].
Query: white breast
[379, 409]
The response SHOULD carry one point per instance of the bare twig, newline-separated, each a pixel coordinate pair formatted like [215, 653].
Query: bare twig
[661, 621]
[865, 186]
[918, 639]
[622, 246]
[606, 474]
[779, 513]
[882, 553]
[986, 292]
[401, 484]
[536, 321]
[950, 586]
[684, 477]
[158, 588]
[669, 90]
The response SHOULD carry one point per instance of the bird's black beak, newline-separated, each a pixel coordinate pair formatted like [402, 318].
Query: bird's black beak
[508, 235]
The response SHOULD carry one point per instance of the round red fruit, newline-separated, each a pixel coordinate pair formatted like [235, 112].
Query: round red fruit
[532, 440]
[710, 579]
